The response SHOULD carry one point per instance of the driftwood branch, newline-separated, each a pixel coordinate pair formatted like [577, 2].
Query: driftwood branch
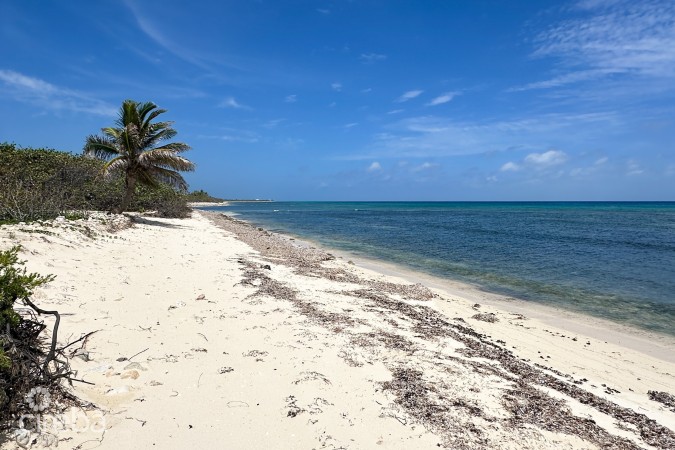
[78, 340]
[52, 349]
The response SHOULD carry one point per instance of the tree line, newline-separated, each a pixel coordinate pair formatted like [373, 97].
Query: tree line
[131, 166]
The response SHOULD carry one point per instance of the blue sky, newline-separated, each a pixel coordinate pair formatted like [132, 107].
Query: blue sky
[363, 100]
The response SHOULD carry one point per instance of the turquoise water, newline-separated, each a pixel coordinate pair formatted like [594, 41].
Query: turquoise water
[612, 260]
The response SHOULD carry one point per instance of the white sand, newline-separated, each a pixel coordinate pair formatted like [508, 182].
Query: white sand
[221, 368]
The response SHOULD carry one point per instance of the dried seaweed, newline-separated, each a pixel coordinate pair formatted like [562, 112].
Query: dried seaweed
[486, 317]
[267, 286]
[649, 430]
[423, 401]
[667, 399]
[532, 406]
[383, 338]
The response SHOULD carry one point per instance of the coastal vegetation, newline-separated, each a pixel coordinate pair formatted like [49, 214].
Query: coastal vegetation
[29, 363]
[41, 184]
[132, 149]
[201, 196]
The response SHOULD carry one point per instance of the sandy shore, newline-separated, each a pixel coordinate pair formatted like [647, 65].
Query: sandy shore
[212, 333]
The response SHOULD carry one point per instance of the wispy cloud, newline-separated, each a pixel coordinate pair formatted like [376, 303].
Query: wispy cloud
[155, 33]
[231, 102]
[48, 96]
[374, 167]
[351, 125]
[510, 167]
[634, 168]
[537, 161]
[409, 95]
[612, 37]
[395, 111]
[432, 136]
[370, 58]
[590, 170]
[291, 98]
[233, 135]
[443, 98]
[424, 166]
[546, 159]
[336, 86]
[273, 123]
[323, 11]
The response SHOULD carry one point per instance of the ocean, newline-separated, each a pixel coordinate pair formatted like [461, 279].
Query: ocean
[612, 260]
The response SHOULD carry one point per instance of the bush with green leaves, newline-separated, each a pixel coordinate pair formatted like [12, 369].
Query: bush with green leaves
[24, 358]
[15, 285]
[39, 184]
[202, 196]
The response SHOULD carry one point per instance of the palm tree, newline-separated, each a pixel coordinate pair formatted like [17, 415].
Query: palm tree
[132, 149]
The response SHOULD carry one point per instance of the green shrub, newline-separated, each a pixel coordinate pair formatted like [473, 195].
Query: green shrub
[15, 285]
[25, 360]
[44, 183]
[202, 196]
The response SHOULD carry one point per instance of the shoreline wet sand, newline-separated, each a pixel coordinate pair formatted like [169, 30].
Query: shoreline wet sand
[254, 340]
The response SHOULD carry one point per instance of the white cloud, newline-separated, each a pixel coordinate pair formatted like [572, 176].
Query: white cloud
[510, 167]
[336, 86]
[634, 168]
[351, 125]
[273, 123]
[366, 90]
[444, 98]
[601, 161]
[424, 166]
[561, 80]
[46, 95]
[233, 136]
[291, 98]
[370, 58]
[433, 137]
[154, 32]
[323, 11]
[609, 38]
[231, 102]
[409, 95]
[395, 111]
[374, 167]
[546, 159]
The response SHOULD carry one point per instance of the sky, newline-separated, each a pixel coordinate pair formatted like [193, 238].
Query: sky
[363, 99]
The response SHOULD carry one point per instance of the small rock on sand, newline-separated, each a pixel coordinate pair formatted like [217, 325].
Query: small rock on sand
[133, 374]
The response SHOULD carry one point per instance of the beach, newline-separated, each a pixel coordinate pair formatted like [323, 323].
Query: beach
[211, 332]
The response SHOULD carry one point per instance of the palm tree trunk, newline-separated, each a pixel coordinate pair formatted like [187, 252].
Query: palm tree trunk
[128, 195]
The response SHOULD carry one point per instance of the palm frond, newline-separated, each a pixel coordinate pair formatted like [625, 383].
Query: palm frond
[177, 147]
[151, 116]
[115, 165]
[153, 137]
[128, 113]
[170, 177]
[114, 133]
[144, 176]
[166, 159]
[101, 147]
[143, 110]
